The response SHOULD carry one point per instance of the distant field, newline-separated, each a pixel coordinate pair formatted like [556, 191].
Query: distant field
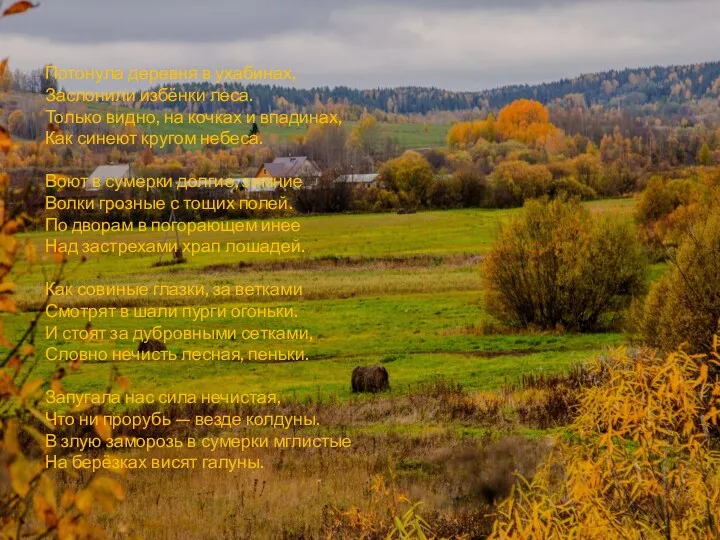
[407, 135]
[404, 290]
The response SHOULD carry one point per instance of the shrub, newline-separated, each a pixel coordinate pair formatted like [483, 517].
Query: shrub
[570, 187]
[410, 176]
[521, 180]
[684, 306]
[638, 462]
[559, 265]
[666, 208]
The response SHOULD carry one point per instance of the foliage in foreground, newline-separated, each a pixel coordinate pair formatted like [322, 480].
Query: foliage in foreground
[640, 462]
[391, 516]
[31, 504]
[558, 265]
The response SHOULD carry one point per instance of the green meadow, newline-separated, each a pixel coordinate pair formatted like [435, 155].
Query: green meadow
[412, 135]
[402, 290]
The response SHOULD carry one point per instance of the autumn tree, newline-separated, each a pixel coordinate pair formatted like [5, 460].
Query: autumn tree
[704, 156]
[638, 461]
[683, 307]
[365, 135]
[466, 134]
[514, 181]
[526, 121]
[325, 144]
[410, 176]
[16, 122]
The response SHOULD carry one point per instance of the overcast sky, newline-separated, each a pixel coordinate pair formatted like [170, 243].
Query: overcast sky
[453, 44]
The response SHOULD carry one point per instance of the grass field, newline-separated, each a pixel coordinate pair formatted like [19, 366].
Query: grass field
[404, 290]
[407, 135]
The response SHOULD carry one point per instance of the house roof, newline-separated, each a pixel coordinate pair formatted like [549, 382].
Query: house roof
[103, 172]
[250, 185]
[255, 185]
[287, 167]
[358, 178]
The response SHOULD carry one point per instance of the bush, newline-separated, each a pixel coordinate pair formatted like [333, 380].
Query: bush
[374, 199]
[684, 306]
[410, 176]
[570, 187]
[558, 265]
[520, 181]
[638, 461]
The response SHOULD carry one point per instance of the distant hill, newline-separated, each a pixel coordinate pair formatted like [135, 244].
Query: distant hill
[626, 88]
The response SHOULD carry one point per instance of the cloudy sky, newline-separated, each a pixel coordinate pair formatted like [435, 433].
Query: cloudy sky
[454, 44]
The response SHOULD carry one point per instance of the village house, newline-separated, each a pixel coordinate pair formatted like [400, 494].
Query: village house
[97, 180]
[359, 180]
[291, 167]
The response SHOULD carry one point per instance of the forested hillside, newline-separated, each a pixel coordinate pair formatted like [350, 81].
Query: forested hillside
[670, 86]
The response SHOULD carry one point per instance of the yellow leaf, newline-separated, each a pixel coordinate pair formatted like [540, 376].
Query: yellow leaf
[109, 485]
[30, 388]
[7, 385]
[10, 441]
[44, 511]
[19, 7]
[15, 362]
[84, 500]
[102, 428]
[82, 407]
[68, 498]
[7, 304]
[27, 350]
[30, 252]
[3, 66]
[40, 416]
[123, 383]
[57, 387]
[21, 473]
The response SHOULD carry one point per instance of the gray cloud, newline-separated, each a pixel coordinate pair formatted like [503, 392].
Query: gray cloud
[102, 21]
[456, 44]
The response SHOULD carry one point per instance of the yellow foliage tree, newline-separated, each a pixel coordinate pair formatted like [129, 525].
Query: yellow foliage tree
[465, 134]
[526, 121]
[640, 461]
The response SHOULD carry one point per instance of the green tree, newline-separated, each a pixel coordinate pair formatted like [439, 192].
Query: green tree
[558, 265]
[704, 156]
[410, 176]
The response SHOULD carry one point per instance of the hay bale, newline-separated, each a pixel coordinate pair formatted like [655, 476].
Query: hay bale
[370, 379]
[151, 345]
